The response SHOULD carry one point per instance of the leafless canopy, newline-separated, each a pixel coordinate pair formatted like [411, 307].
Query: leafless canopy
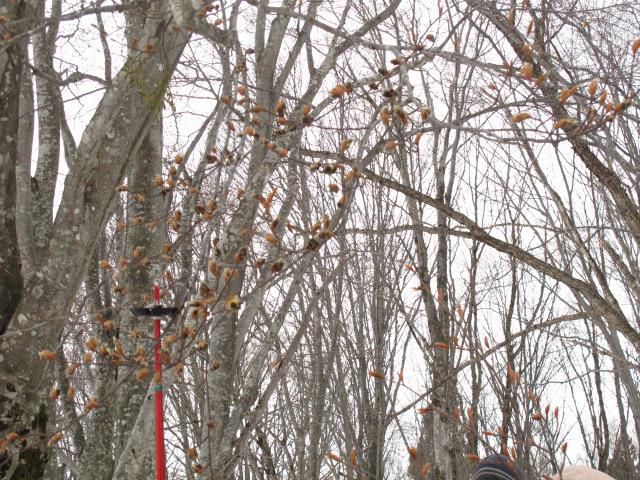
[399, 236]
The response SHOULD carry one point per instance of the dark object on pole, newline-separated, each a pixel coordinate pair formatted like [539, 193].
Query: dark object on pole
[155, 311]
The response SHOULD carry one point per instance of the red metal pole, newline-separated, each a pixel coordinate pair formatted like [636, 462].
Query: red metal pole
[161, 469]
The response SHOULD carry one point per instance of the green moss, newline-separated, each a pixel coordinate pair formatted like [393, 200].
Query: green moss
[152, 95]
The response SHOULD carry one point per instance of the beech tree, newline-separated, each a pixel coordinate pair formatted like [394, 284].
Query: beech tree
[398, 236]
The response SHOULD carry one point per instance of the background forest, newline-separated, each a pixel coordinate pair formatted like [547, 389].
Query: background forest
[401, 235]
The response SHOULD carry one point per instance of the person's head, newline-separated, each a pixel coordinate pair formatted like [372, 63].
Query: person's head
[581, 473]
[497, 467]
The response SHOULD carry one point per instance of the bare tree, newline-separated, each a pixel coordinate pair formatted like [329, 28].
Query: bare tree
[394, 233]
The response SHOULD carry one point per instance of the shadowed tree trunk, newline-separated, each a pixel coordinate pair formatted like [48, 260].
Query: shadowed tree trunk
[108, 144]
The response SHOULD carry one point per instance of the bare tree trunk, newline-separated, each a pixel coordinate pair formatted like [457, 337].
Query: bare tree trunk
[144, 239]
[43, 183]
[11, 66]
[509, 397]
[472, 338]
[96, 458]
[108, 144]
[24, 222]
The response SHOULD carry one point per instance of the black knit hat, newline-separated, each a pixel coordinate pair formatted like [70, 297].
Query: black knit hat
[497, 467]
